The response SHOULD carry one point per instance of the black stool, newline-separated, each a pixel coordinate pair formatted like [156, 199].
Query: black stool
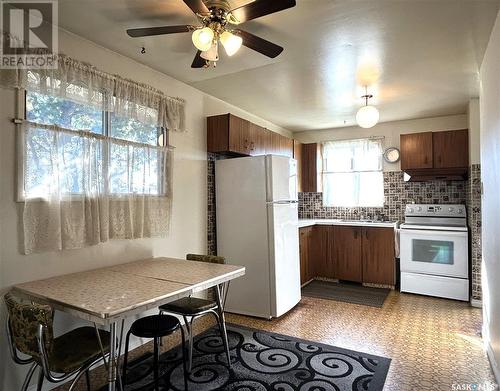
[155, 327]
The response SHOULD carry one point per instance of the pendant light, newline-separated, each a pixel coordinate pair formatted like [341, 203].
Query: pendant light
[212, 54]
[367, 116]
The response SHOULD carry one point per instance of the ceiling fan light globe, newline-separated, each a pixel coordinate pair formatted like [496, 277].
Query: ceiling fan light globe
[212, 54]
[232, 43]
[203, 38]
[367, 116]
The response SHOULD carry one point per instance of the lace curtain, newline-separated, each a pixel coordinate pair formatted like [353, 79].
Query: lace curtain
[352, 173]
[83, 83]
[76, 196]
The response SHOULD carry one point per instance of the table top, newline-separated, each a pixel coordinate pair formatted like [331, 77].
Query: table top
[112, 293]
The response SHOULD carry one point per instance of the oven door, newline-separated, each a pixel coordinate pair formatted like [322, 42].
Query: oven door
[441, 253]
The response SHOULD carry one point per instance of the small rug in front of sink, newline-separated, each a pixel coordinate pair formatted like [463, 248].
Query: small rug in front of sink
[346, 292]
[263, 361]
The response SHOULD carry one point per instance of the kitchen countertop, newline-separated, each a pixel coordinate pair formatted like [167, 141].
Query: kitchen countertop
[359, 223]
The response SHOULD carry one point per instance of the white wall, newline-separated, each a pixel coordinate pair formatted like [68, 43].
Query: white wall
[474, 131]
[390, 130]
[490, 167]
[189, 214]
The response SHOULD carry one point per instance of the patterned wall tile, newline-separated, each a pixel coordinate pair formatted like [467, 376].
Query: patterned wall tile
[397, 193]
[474, 221]
[211, 216]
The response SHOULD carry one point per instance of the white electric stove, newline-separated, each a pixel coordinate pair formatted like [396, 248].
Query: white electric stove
[434, 251]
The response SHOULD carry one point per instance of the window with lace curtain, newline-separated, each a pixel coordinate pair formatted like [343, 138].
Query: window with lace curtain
[93, 158]
[352, 173]
[123, 148]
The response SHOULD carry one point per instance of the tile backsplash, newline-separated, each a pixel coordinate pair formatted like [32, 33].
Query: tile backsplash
[397, 193]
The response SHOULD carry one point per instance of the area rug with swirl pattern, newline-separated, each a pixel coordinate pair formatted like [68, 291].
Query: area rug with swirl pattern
[263, 361]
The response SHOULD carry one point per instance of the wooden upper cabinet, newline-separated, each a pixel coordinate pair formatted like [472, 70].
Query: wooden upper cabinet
[309, 167]
[230, 134]
[281, 145]
[378, 255]
[451, 149]
[416, 151]
[347, 255]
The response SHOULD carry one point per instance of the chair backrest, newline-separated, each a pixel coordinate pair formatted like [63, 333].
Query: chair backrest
[23, 322]
[206, 258]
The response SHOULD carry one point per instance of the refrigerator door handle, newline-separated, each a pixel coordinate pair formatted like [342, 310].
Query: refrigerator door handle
[283, 202]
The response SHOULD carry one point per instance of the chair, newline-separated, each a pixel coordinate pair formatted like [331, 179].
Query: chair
[30, 332]
[155, 327]
[191, 308]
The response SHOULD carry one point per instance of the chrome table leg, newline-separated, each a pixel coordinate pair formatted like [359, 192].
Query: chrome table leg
[220, 309]
[112, 357]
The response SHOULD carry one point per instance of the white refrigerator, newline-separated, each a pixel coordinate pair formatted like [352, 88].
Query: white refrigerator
[257, 227]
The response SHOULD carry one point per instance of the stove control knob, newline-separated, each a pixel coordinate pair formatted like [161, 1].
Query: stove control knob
[419, 209]
[451, 210]
[460, 211]
[410, 210]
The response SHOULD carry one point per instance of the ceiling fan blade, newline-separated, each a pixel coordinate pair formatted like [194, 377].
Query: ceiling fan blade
[258, 44]
[197, 6]
[198, 62]
[259, 8]
[147, 31]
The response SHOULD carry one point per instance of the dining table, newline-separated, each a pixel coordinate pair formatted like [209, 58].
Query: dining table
[108, 295]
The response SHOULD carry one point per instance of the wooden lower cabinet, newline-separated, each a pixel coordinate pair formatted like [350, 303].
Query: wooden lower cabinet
[350, 253]
[304, 248]
[347, 254]
[318, 253]
[378, 256]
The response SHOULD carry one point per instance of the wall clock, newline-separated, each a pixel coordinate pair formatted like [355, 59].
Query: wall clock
[392, 155]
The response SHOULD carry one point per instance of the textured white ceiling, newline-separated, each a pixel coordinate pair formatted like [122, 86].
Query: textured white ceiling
[420, 57]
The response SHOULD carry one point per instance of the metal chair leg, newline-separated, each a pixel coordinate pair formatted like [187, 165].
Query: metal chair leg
[185, 372]
[40, 380]
[190, 347]
[156, 363]
[222, 322]
[28, 377]
[125, 356]
[87, 379]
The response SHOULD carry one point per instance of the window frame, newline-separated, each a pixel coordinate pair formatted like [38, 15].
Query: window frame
[324, 172]
[21, 116]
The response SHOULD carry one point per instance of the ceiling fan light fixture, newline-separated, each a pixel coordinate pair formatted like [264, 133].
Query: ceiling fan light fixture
[231, 42]
[212, 54]
[203, 38]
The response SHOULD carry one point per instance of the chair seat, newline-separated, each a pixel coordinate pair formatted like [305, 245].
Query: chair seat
[72, 350]
[189, 306]
[154, 326]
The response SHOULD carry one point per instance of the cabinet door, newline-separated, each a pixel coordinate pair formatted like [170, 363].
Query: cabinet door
[304, 236]
[347, 253]
[318, 253]
[309, 167]
[258, 142]
[378, 255]
[240, 137]
[451, 149]
[416, 151]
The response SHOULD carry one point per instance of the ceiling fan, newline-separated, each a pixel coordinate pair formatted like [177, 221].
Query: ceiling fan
[216, 18]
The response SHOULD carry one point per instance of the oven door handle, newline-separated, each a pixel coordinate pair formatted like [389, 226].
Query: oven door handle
[418, 232]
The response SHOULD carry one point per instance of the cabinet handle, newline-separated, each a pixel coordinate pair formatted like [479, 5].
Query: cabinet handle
[355, 233]
[366, 233]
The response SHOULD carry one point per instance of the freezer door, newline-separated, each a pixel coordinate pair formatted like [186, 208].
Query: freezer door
[284, 257]
[281, 178]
